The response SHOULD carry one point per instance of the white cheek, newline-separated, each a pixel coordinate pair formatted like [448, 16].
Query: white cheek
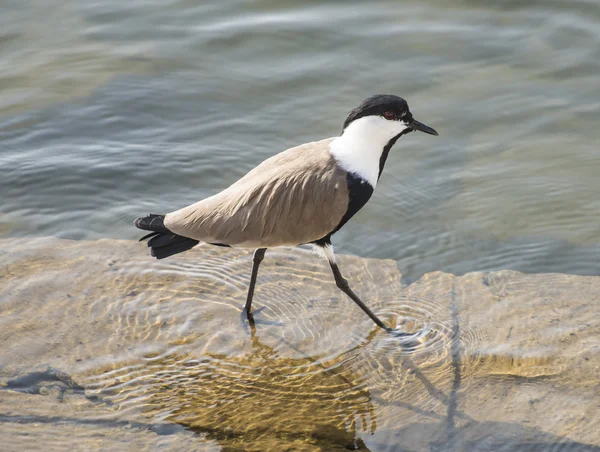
[394, 128]
[359, 148]
[400, 127]
[376, 128]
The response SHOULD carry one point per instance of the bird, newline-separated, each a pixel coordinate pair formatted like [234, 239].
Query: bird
[303, 195]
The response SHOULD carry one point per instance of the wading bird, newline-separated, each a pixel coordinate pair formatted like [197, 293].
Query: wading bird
[303, 195]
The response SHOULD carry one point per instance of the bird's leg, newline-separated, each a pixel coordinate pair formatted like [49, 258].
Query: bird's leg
[259, 254]
[342, 283]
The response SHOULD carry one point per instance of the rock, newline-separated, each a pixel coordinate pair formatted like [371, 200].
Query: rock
[153, 353]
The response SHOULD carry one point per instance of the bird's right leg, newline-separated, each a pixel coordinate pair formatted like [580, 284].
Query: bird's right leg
[259, 254]
[342, 284]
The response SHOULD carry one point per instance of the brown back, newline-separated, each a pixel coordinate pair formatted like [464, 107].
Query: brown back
[295, 197]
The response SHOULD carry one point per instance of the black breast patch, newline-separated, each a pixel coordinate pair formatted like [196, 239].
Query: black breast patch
[359, 192]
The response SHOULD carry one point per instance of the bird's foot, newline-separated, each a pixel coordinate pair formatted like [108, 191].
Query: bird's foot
[406, 339]
[247, 319]
[249, 323]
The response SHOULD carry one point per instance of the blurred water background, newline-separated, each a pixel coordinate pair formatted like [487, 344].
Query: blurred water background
[112, 109]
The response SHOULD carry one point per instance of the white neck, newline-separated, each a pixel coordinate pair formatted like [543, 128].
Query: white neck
[359, 148]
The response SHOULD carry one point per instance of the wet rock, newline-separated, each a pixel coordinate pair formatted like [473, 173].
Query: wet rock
[153, 352]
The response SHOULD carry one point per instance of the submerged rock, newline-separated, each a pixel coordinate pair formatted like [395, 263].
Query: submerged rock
[102, 344]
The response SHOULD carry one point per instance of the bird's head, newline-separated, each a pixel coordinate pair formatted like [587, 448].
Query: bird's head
[370, 131]
[383, 117]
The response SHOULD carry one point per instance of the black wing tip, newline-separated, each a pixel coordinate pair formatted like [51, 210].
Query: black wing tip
[151, 222]
[175, 245]
[149, 236]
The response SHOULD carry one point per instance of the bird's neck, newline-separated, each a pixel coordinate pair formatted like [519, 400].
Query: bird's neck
[360, 152]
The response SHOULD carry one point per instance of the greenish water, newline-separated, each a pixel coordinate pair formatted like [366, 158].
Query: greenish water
[110, 110]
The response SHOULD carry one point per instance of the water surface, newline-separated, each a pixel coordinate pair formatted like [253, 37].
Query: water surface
[112, 110]
[103, 350]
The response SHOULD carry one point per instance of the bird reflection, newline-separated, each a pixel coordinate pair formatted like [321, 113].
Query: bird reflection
[261, 401]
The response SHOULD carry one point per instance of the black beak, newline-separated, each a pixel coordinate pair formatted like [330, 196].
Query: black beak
[416, 125]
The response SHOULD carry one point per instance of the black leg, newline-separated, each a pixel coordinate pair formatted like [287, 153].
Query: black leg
[259, 254]
[342, 283]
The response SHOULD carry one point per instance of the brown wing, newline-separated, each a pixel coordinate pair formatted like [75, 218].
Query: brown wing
[295, 197]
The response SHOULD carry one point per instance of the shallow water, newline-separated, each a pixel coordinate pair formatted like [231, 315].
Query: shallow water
[112, 110]
[102, 349]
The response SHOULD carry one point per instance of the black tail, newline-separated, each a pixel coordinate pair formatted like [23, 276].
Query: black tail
[163, 243]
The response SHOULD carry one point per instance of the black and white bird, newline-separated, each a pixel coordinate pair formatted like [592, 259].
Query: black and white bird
[303, 195]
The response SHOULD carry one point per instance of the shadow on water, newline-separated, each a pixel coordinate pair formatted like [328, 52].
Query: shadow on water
[257, 402]
[261, 401]
[160, 356]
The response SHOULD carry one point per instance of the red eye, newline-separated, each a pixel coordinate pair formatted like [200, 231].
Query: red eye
[390, 114]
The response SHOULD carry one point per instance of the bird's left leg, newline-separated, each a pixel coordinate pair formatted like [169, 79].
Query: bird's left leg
[259, 254]
[342, 283]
